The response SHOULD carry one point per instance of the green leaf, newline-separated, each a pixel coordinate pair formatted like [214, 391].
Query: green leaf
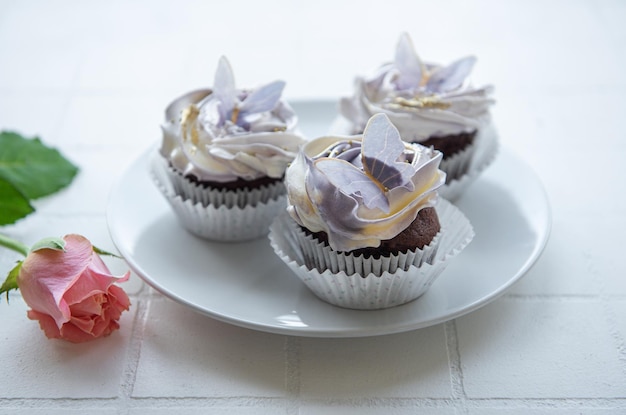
[49, 243]
[103, 252]
[33, 168]
[13, 204]
[11, 281]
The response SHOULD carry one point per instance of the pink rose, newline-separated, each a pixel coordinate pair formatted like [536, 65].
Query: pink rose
[71, 292]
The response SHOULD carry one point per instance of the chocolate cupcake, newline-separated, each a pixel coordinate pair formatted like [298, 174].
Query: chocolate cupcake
[365, 227]
[418, 234]
[223, 157]
[430, 104]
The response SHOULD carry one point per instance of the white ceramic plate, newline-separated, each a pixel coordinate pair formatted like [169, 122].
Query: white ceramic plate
[247, 285]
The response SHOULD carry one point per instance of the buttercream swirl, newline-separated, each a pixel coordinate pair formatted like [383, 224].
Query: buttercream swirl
[422, 100]
[362, 189]
[222, 134]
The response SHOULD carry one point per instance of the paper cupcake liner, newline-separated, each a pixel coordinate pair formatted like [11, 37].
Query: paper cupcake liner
[227, 224]
[317, 254]
[371, 292]
[218, 197]
[463, 170]
[236, 216]
[459, 163]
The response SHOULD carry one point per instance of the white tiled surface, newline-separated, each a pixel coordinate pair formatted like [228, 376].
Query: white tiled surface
[92, 78]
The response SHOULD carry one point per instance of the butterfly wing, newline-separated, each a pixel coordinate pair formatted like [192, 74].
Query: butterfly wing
[382, 148]
[452, 76]
[352, 181]
[262, 99]
[224, 89]
[408, 64]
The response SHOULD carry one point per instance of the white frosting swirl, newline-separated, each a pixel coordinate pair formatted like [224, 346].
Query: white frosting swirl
[198, 141]
[318, 204]
[422, 100]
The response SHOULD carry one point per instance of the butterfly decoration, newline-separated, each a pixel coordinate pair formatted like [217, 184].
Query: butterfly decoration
[383, 165]
[228, 105]
[412, 75]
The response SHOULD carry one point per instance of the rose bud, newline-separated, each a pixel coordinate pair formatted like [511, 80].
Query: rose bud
[71, 291]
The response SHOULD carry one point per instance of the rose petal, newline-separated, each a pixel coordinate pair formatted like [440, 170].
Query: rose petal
[71, 292]
[74, 334]
[47, 274]
[47, 324]
[91, 282]
[85, 323]
[119, 298]
[89, 306]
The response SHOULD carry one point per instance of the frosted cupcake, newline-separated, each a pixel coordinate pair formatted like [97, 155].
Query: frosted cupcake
[432, 105]
[223, 157]
[364, 227]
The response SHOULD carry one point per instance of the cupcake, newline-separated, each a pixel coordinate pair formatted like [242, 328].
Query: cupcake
[364, 226]
[223, 157]
[430, 104]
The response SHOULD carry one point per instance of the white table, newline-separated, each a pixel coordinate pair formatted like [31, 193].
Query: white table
[93, 78]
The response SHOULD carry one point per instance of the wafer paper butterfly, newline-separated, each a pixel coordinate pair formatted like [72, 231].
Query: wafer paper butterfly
[383, 166]
[229, 105]
[413, 74]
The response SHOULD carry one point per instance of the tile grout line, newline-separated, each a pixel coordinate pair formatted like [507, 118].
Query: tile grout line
[530, 405]
[548, 403]
[617, 336]
[609, 314]
[292, 374]
[134, 350]
[459, 396]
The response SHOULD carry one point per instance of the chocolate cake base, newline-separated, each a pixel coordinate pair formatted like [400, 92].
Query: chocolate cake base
[236, 184]
[449, 145]
[417, 235]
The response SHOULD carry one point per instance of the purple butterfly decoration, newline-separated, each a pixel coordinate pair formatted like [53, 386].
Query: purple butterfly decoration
[383, 166]
[409, 65]
[411, 70]
[237, 107]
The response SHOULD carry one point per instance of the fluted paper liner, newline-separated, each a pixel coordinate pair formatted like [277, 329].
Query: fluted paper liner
[465, 166]
[229, 216]
[457, 165]
[320, 255]
[218, 197]
[371, 292]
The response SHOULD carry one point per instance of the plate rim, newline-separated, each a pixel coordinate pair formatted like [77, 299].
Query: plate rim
[308, 331]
